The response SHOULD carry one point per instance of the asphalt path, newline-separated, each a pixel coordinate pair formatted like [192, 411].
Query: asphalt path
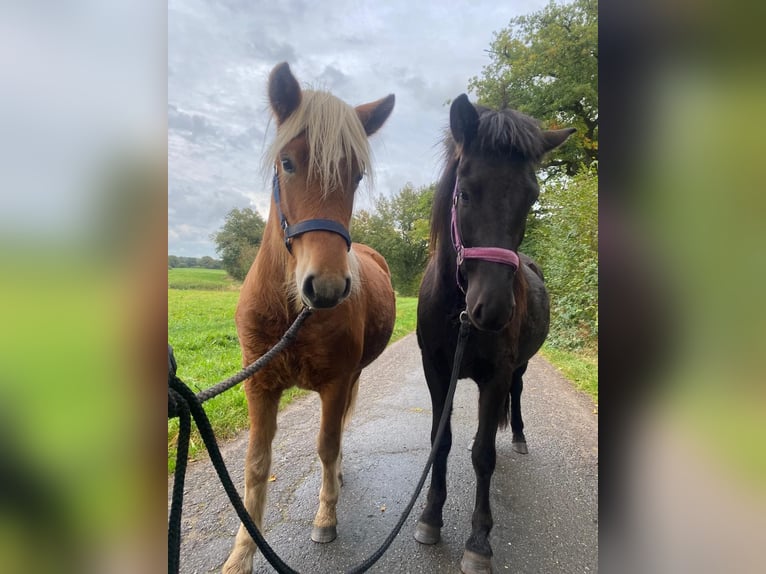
[545, 503]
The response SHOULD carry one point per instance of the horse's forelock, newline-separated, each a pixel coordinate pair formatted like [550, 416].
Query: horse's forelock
[334, 135]
[509, 132]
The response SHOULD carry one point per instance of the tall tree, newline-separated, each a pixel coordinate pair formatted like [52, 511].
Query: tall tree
[238, 240]
[398, 229]
[545, 65]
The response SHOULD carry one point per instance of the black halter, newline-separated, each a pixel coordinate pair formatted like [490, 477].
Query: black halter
[291, 231]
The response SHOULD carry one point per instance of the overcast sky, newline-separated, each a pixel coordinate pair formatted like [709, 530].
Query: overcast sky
[219, 58]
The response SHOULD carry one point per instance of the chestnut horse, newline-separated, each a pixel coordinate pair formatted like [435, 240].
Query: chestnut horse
[319, 155]
[478, 220]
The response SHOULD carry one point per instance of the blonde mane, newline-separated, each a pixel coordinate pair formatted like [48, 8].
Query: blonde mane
[334, 135]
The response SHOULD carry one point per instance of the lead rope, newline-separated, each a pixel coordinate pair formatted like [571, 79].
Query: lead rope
[182, 394]
[465, 327]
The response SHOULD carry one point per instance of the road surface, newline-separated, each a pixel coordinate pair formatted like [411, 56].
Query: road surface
[545, 503]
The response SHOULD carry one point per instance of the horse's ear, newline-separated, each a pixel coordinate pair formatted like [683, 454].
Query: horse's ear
[375, 114]
[554, 138]
[284, 92]
[463, 120]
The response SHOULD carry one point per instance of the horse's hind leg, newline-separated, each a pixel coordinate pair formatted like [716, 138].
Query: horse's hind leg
[519, 441]
[262, 407]
[334, 405]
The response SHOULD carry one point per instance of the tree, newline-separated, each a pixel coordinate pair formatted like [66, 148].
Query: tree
[546, 65]
[398, 228]
[238, 240]
[209, 263]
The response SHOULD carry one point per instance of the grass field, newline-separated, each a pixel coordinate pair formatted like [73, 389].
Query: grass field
[201, 305]
[197, 278]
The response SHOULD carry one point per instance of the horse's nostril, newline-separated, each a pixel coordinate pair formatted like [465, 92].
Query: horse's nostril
[347, 290]
[308, 288]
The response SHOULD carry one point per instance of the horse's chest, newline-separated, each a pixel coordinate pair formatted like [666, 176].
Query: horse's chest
[483, 362]
[308, 363]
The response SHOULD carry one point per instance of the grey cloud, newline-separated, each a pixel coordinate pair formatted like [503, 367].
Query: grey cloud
[271, 51]
[332, 78]
[193, 125]
[248, 139]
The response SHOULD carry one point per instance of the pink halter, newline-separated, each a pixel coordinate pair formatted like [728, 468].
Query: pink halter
[493, 254]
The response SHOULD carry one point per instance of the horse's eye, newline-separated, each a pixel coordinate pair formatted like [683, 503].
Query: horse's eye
[359, 178]
[287, 165]
[463, 196]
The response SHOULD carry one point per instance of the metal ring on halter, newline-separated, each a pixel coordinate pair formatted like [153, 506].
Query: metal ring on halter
[464, 318]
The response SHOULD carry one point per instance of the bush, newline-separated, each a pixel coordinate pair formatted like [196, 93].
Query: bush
[562, 236]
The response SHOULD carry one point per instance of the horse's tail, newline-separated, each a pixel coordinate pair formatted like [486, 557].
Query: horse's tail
[351, 401]
[505, 417]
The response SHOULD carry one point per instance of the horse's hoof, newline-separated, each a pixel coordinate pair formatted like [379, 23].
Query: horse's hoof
[473, 563]
[520, 447]
[427, 534]
[324, 534]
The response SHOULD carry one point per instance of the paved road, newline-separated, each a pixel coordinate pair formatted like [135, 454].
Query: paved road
[544, 503]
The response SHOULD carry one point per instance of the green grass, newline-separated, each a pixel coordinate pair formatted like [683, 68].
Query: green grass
[579, 368]
[198, 278]
[201, 331]
[406, 317]
[201, 304]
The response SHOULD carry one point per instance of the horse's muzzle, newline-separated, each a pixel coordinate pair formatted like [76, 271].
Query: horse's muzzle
[323, 293]
[489, 313]
[483, 322]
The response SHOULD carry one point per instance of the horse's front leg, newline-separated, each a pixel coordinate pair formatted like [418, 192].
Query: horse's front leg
[334, 397]
[477, 557]
[262, 406]
[428, 529]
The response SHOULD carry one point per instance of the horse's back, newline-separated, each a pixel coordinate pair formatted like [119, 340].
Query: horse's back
[368, 253]
[527, 261]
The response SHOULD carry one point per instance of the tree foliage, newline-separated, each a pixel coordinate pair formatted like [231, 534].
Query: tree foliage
[238, 240]
[545, 64]
[563, 237]
[398, 229]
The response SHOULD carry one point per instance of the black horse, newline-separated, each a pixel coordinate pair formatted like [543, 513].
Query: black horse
[478, 221]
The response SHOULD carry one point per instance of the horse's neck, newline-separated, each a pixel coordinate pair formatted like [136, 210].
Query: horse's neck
[445, 267]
